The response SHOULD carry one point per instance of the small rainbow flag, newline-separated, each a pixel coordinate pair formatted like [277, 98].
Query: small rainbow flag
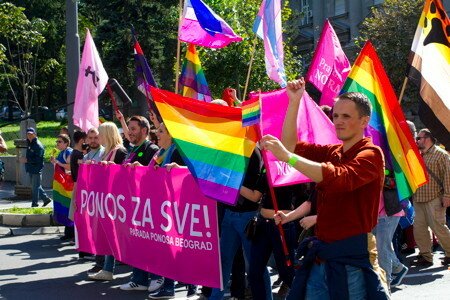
[192, 77]
[62, 195]
[211, 139]
[387, 125]
[251, 111]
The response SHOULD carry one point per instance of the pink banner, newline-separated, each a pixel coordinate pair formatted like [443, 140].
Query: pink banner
[313, 127]
[329, 67]
[154, 220]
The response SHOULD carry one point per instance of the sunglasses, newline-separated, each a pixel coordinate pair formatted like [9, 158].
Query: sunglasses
[420, 137]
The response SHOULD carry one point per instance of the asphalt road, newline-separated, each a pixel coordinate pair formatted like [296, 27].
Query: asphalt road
[42, 267]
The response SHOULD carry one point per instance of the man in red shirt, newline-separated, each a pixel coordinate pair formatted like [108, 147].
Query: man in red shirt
[349, 181]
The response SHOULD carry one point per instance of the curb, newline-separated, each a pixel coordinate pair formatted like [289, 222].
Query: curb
[26, 220]
[16, 231]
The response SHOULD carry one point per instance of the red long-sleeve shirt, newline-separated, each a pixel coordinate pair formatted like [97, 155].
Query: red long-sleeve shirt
[348, 196]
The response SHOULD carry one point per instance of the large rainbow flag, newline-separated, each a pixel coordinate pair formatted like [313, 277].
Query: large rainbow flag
[193, 78]
[387, 126]
[62, 195]
[211, 139]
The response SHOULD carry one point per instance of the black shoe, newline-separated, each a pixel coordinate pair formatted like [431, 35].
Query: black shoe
[46, 202]
[192, 290]
[422, 262]
[408, 251]
[34, 205]
[94, 270]
[66, 238]
[446, 261]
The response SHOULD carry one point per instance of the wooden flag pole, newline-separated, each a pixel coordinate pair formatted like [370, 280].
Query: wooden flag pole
[113, 99]
[403, 89]
[272, 194]
[249, 68]
[177, 66]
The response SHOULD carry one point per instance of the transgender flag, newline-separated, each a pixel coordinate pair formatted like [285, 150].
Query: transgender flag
[268, 27]
[201, 26]
[192, 77]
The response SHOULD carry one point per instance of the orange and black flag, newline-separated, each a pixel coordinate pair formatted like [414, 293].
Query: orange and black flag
[429, 69]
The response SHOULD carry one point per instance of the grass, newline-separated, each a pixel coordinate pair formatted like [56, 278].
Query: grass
[28, 210]
[46, 130]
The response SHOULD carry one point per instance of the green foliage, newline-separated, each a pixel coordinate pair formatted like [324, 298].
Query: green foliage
[391, 29]
[28, 211]
[21, 40]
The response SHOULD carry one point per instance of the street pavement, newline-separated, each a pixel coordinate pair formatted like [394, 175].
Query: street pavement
[39, 266]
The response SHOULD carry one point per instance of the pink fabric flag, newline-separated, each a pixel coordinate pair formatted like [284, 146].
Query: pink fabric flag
[201, 26]
[92, 79]
[313, 127]
[267, 26]
[329, 67]
[154, 220]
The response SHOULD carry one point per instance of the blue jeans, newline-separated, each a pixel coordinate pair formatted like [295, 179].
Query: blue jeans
[141, 277]
[232, 236]
[384, 232]
[266, 241]
[317, 288]
[37, 192]
[109, 264]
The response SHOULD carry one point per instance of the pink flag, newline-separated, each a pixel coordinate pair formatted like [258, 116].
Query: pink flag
[313, 127]
[329, 67]
[201, 26]
[92, 79]
[267, 26]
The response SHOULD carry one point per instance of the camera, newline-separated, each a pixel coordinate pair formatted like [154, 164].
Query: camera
[85, 146]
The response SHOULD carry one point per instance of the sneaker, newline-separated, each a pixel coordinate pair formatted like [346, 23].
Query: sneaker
[163, 294]
[398, 277]
[422, 262]
[94, 270]
[34, 205]
[131, 286]
[102, 276]
[446, 261]
[155, 284]
[46, 202]
[192, 290]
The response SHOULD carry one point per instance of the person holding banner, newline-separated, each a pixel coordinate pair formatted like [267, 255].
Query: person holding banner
[115, 153]
[96, 150]
[341, 262]
[168, 157]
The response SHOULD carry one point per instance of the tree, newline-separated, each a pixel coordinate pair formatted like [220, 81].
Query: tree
[21, 40]
[391, 29]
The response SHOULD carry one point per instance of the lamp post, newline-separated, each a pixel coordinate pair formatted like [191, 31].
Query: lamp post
[72, 56]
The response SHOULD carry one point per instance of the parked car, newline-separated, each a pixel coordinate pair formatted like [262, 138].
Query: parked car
[16, 112]
[61, 114]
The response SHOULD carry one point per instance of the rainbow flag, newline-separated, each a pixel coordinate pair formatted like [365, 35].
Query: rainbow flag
[251, 111]
[211, 140]
[192, 77]
[62, 195]
[387, 125]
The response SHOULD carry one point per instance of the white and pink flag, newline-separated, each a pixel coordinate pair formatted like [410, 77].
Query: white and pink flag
[92, 79]
[329, 67]
[313, 127]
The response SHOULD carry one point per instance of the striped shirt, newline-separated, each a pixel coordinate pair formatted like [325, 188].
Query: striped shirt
[438, 161]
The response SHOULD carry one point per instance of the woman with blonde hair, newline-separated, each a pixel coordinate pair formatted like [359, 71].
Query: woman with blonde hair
[109, 137]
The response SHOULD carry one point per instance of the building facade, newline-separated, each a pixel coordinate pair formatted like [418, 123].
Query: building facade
[345, 16]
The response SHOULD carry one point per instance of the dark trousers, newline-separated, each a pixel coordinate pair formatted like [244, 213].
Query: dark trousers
[237, 287]
[266, 241]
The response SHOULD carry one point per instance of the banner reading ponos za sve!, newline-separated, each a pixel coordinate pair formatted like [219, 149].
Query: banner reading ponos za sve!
[154, 220]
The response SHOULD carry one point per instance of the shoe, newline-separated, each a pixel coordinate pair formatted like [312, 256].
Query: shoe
[163, 294]
[65, 238]
[422, 262]
[192, 290]
[34, 205]
[46, 202]
[446, 261]
[131, 286]
[102, 276]
[398, 277]
[155, 284]
[277, 283]
[283, 291]
[408, 251]
[94, 270]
